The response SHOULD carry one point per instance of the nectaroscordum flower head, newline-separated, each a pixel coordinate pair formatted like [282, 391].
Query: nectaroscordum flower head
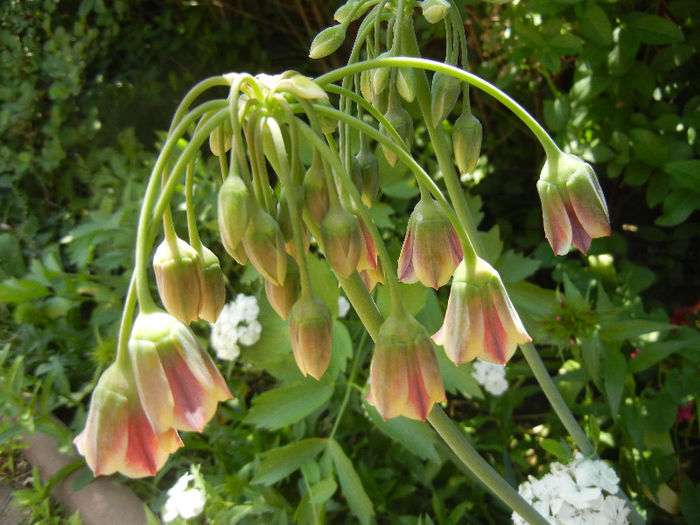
[573, 205]
[118, 436]
[480, 320]
[431, 249]
[179, 278]
[405, 377]
[310, 332]
[177, 382]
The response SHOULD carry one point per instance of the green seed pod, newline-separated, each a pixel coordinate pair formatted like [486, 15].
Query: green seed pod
[466, 139]
[233, 212]
[444, 92]
[327, 41]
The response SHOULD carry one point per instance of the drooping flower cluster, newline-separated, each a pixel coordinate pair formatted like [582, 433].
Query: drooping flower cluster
[236, 325]
[183, 500]
[579, 493]
[491, 376]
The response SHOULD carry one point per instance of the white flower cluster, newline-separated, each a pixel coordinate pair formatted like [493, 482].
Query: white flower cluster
[343, 306]
[237, 324]
[183, 501]
[491, 376]
[574, 494]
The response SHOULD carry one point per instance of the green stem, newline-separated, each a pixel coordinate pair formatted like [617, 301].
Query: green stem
[195, 241]
[126, 322]
[456, 440]
[359, 358]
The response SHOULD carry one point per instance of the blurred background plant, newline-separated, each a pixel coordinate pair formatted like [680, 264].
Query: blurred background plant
[88, 88]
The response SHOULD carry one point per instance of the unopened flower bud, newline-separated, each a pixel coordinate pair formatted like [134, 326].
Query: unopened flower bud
[366, 85]
[328, 124]
[310, 332]
[316, 197]
[178, 270]
[285, 221]
[343, 12]
[283, 297]
[264, 245]
[327, 41]
[402, 122]
[302, 87]
[341, 240]
[213, 286]
[405, 377]
[444, 92]
[574, 210]
[233, 212]
[221, 136]
[431, 250]
[406, 83]
[365, 175]
[435, 10]
[466, 139]
[380, 76]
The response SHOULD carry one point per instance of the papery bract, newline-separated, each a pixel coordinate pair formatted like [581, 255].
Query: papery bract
[179, 278]
[311, 335]
[431, 250]
[118, 436]
[574, 210]
[177, 382]
[480, 320]
[405, 377]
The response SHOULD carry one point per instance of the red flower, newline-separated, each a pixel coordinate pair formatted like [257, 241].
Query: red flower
[685, 412]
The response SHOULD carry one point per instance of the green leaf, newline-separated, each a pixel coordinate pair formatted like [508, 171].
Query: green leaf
[653, 353]
[557, 113]
[286, 405]
[652, 29]
[566, 44]
[20, 290]
[614, 379]
[687, 172]
[558, 448]
[592, 351]
[649, 147]
[677, 207]
[458, 378]
[324, 284]
[358, 501]
[515, 267]
[278, 463]
[595, 26]
[414, 297]
[322, 491]
[416, 436]
[341, 351]
[690, 501]
[630, 328]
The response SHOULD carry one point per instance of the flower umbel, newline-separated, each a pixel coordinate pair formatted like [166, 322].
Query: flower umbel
[177, 382]
[405, 377]
[118, 436]
[480, 320]
[573, 205]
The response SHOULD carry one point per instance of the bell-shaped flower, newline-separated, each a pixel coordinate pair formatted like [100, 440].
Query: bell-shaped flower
[118, 436]
[282, 298]
[177, 382]
[342, 240]
[233, 212]
[480, 320]
[574, 210]
[212, 285]
[178, 270]
[404, 376]
[431, 250]
[264, 244]
[310, 332]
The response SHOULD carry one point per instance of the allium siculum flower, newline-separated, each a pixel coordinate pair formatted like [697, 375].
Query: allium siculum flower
[177, 382]
[264, 245]
[365, 175]
[466, 140]
[402, 122]
[282, 298]
[233, 213]
[431, 250]
[480, 320]
[212, 285]
[573, 205]
[404, 376]
[316, 199]
[310, 332]
[342, 240]
[118, 436]
[178, 270]
[444, 92]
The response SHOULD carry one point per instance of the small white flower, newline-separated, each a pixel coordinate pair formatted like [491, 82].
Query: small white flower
[249, 334]
[596, 472]
[182, 501]
[490, 376]
[247, 307]
[237, 325]
[343, 306]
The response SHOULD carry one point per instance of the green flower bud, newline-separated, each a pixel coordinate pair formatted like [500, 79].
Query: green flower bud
[366, 85]
[316, 192]
[435, 10]
[327, 41]
[328, 124]
[264, 245]
[343, 12]
[399, 118]
[233, 212]
[365, 175]
[342, 241]
[444, 92]
[221, 135]
[213, 287]
[406, 83]
[178, 270]
[282, 298]
[466, 139]
[380, 76]
[310, 332]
